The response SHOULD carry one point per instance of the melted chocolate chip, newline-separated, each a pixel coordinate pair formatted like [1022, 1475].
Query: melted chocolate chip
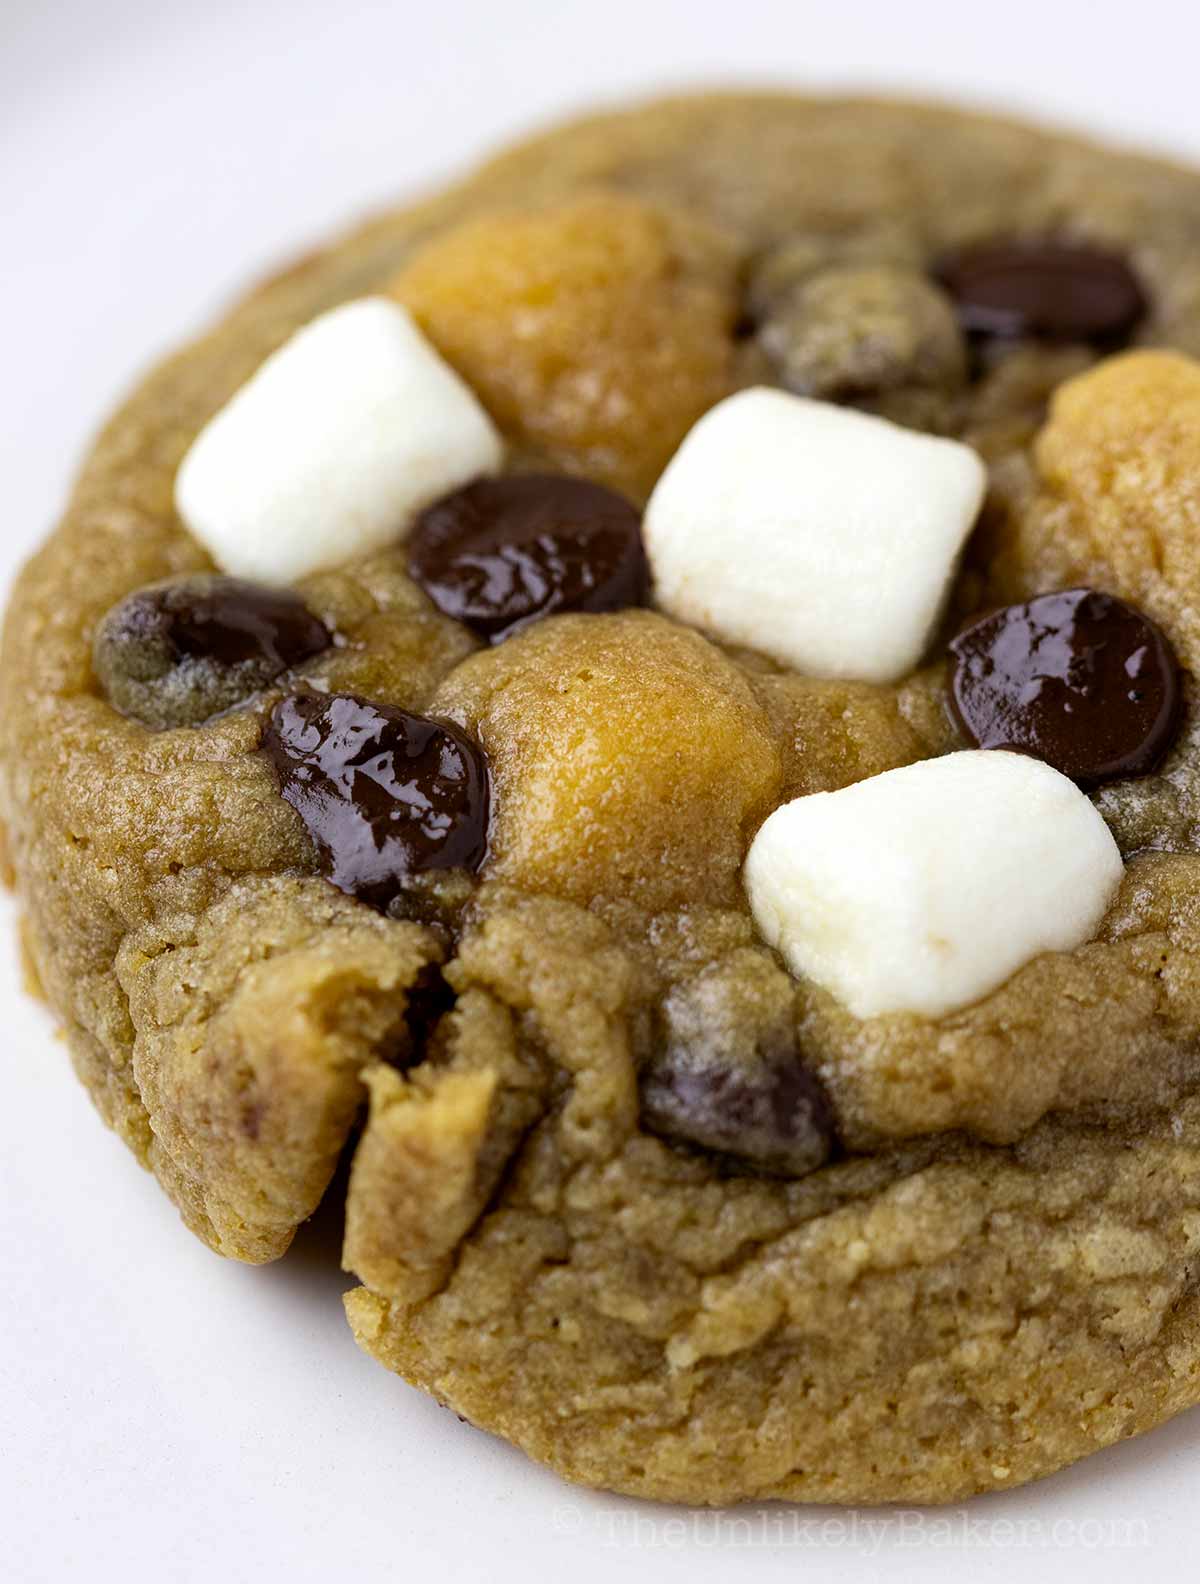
[385, 795]
[505, 552]
[179, 652]
[430, 999]
[224, 620]
[1079, 679]
[1045, 289]
[771, 1113]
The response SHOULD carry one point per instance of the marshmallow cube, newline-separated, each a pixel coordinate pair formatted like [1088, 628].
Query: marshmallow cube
[328, 452]
[822, 536]
[922, 889]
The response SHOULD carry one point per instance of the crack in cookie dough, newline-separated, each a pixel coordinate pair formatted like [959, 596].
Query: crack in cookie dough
[997, 1271]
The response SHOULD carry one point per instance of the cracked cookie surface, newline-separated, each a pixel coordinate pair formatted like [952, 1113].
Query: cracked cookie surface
[999, 1272]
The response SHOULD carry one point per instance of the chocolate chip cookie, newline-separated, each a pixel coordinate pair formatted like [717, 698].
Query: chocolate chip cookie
[650, 699]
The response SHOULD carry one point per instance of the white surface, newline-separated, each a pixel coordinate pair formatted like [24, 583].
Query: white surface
[824, 537]
[922, 889]
[164, 1415]
[332, 447]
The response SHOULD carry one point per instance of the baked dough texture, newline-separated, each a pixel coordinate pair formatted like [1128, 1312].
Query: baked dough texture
[1000, 1272]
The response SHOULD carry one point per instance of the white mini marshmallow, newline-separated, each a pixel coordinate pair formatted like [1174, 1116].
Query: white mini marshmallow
[821, 536]
[922, 889]
[352, 427]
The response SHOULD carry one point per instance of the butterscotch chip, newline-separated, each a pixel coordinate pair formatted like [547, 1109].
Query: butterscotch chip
[597, 331]
[629, 760]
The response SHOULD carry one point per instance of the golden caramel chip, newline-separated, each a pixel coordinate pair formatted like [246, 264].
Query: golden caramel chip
[596, 333]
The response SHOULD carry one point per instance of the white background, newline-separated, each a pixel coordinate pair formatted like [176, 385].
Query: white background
[164, 1414]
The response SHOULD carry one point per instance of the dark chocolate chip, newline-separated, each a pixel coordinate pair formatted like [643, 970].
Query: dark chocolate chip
[1079, 679]
[727, 1074]
[430, 999]
[385, 795]
[1044, 289]
[771, 1114]
[179, 652]
[504, 552]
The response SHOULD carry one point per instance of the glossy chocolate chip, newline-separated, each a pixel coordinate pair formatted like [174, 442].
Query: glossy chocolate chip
[385, 795]
[179, 652]
[505, 552]
[1079, 679]
[771, 1114]
[1044, 289]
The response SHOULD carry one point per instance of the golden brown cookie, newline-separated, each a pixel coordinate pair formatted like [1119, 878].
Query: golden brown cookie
[623, 1188]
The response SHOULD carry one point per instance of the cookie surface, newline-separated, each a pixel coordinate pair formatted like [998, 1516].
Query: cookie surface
[969, 1253]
